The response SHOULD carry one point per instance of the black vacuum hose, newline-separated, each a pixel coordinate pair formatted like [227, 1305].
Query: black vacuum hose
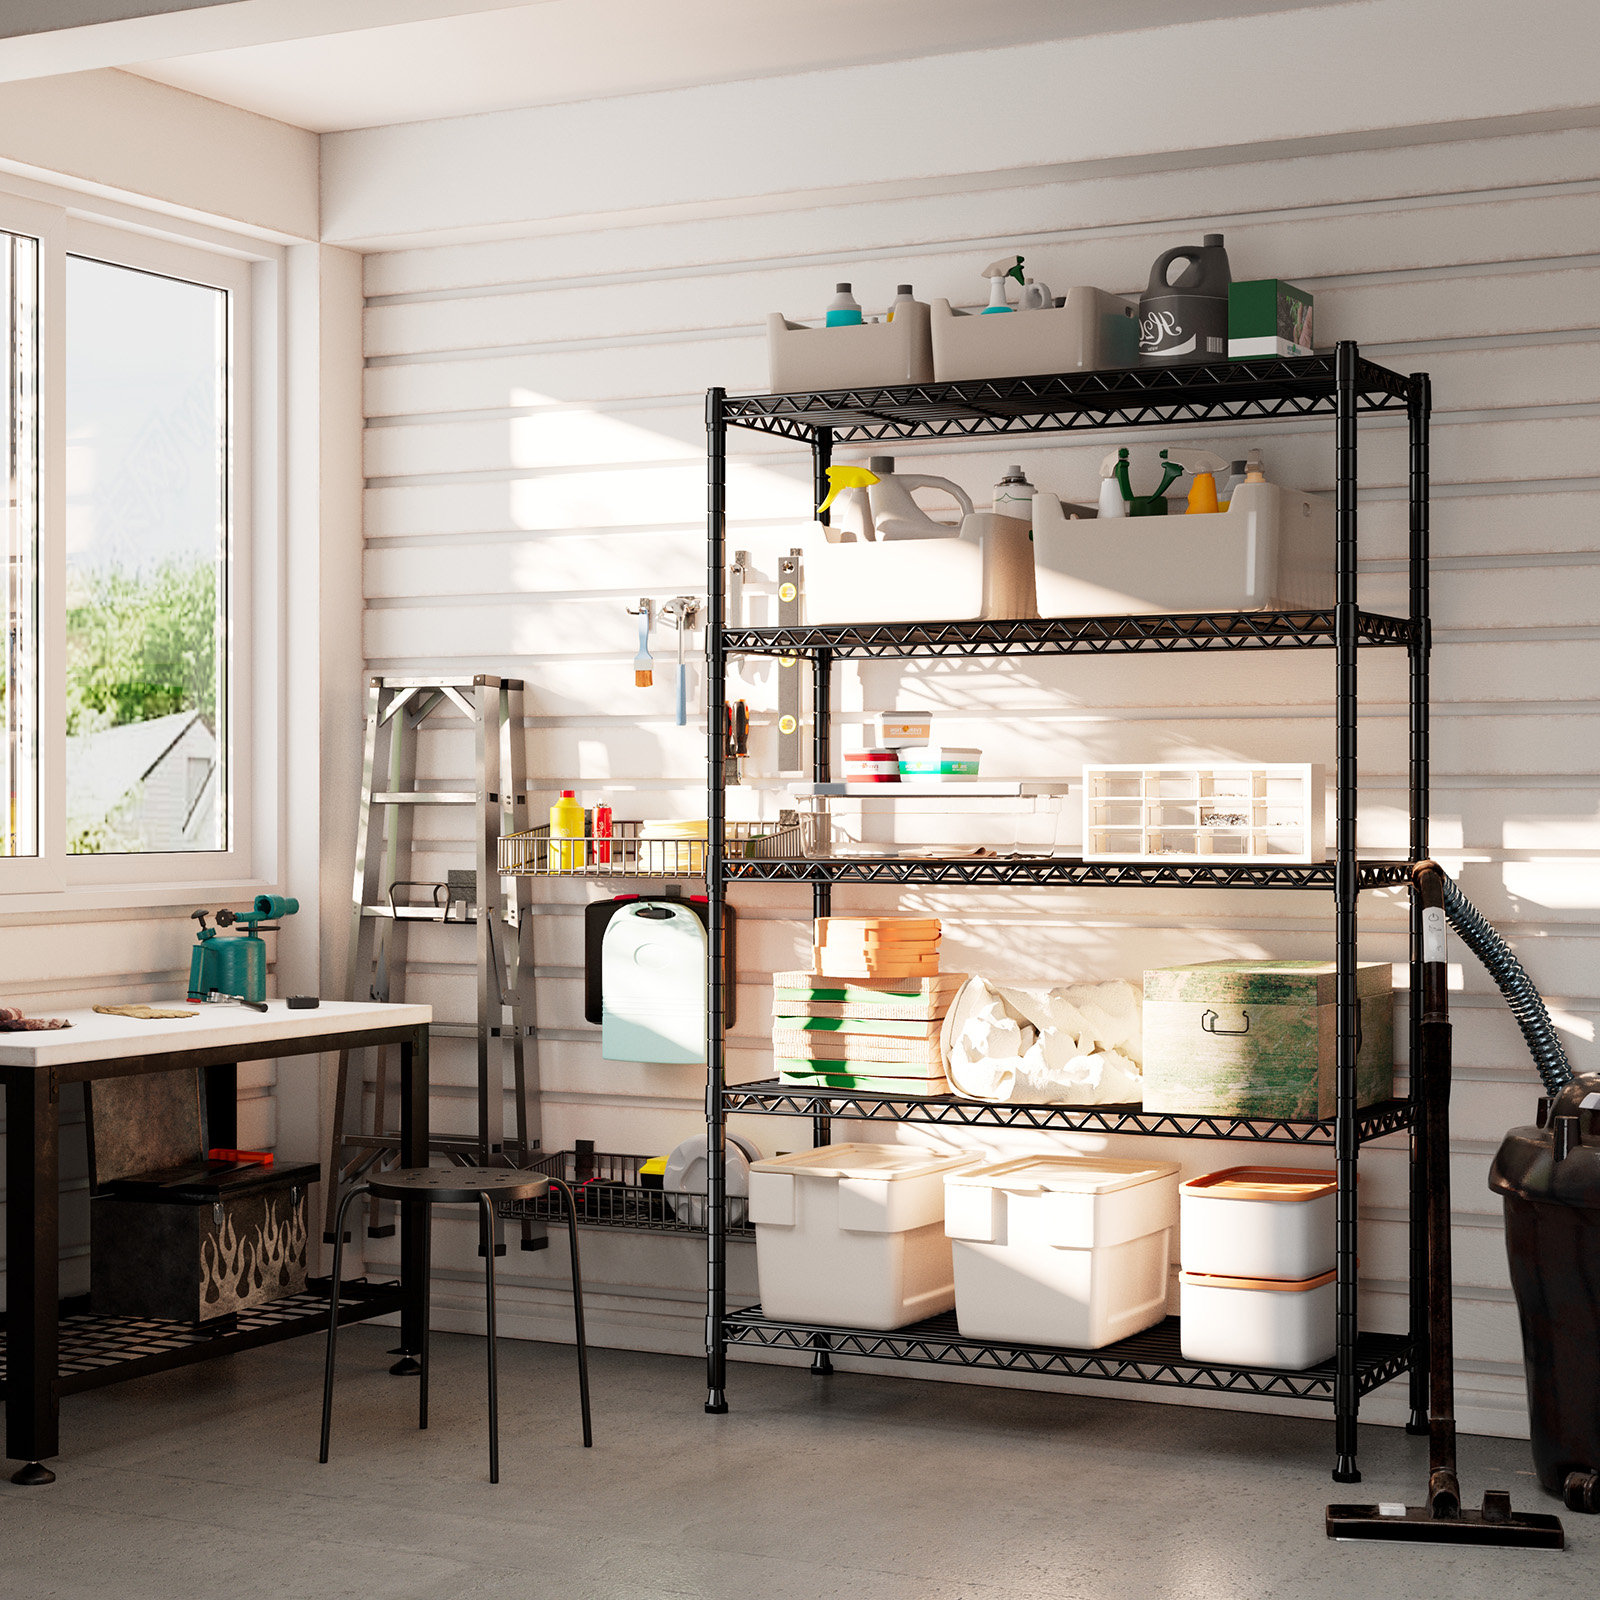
[1533, 1018]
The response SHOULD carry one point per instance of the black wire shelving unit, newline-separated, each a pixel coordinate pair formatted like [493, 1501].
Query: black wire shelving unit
[1341, 385]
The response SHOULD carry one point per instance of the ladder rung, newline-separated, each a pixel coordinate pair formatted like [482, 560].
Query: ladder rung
[417, 914]
[425, 797]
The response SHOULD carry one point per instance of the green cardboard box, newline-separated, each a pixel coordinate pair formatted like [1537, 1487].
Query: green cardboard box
[1257, 1038]
[1268, 317]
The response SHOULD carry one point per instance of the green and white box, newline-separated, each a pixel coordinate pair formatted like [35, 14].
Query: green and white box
[1268, 317]
[1258, 1038]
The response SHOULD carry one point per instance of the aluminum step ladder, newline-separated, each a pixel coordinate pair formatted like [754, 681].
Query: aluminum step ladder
[389, 898]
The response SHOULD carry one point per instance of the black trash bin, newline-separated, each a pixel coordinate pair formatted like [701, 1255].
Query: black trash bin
[1549, 1176]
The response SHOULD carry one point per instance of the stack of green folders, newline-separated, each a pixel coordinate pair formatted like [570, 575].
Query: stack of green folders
[862, 1033]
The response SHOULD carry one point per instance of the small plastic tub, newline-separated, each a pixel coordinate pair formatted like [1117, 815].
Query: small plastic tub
[1259, 1222]
[1257, 1322]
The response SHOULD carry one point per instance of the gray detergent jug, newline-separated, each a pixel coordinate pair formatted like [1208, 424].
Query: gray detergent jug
[1186, 320]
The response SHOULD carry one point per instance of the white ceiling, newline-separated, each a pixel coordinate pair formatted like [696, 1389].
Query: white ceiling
[565, 50]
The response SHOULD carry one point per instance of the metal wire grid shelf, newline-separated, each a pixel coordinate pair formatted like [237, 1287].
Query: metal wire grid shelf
[1066, 872]
[1154, 1356]
[1043, 636]
[99, 1350]
[1130, 397]
[630, 852]
[775, 1098]
[610, 1195]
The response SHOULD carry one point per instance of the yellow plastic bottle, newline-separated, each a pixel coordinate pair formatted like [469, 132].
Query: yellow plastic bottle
[566, 822]
[1203, 494]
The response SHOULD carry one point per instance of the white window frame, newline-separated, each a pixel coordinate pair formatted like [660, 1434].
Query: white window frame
[251, 272]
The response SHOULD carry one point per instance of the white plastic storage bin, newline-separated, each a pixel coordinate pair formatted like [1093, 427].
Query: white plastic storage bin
[1259, 1222]
[1061, 1250]
[1257, 1322]
[1271, 550]
[1092, 330]
[934, 817]
[982, 569]
[853, 1234]
[869, 354]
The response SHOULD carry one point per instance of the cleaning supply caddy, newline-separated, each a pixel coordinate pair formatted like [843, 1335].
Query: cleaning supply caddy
[1272, 549]
[850, 355]
[1257, 1038]
[853, 1234]
[1061, 1250]
[1088, 331]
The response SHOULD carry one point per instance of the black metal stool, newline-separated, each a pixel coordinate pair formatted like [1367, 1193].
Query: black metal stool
[459, 1186]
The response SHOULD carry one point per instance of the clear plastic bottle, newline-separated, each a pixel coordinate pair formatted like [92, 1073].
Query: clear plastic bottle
[844, 310]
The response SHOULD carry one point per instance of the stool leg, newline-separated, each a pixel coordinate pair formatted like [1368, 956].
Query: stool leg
[333, 1319]
[487, 1212]
[427, 1312]
[577, 1311]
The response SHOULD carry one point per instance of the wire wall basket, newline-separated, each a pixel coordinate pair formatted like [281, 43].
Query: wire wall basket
[645, 849]
[610, 1195]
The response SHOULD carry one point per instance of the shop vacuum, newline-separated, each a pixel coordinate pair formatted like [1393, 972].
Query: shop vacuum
[1549, 1176]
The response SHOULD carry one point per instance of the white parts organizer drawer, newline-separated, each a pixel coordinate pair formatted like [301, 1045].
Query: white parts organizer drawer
[1092, 330]
[1062, 1250]
[854, 1234]
[1259, 1222]
[1271, 550]
[1223, 812]
[866, 355]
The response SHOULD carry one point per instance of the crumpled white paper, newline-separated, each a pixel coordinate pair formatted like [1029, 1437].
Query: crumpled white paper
[1052, 1044]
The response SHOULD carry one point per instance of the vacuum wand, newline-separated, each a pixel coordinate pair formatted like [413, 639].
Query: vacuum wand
[1442, 1520]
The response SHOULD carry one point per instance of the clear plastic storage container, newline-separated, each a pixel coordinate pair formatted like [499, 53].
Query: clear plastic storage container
[853, 1234]
[1062, 1250]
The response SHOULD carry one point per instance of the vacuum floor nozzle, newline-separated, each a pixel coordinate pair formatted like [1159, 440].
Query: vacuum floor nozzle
[1494, 1524]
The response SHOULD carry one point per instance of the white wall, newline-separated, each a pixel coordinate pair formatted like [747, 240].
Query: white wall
[534, 452]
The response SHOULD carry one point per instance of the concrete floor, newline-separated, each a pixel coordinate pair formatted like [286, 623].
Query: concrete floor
[205, 1483]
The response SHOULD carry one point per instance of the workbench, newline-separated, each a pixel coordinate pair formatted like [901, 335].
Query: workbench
[50, 1349]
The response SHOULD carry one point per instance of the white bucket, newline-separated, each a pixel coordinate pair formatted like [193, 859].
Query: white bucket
[1257, 1322]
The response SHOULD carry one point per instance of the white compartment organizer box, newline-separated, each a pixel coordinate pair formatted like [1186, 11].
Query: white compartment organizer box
[853, 1234]
[1061, 1250]
[1091, 331]
[1259, 1222]
[1257, 1322]
[1271, 550]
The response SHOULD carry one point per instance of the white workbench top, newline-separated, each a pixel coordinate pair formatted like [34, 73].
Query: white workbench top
[94, 1037]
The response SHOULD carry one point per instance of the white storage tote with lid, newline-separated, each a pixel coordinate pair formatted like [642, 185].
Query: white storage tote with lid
[1259, 1222]
[853, 1234]
[1257, 1322]
[1063, 1250]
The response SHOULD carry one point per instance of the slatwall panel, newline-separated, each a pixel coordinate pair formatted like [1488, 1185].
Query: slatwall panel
[534, 460]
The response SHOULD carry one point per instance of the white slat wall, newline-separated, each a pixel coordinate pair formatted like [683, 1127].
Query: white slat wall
[534, 460]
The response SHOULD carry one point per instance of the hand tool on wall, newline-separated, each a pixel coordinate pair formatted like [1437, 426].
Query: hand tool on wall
[736, 740]
[789, 666]
[684, 609]
[643, 665]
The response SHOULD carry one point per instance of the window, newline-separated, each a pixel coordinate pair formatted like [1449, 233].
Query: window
[19, 410]
[146, 559]
[127, 717]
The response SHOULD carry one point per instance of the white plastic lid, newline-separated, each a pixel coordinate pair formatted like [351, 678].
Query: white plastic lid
[865, 1161]
[1069, 1174]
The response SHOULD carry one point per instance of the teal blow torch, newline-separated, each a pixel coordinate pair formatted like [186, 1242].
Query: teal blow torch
[236, 968]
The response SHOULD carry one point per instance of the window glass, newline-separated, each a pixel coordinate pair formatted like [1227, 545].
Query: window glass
[147, 518]
[19, 543]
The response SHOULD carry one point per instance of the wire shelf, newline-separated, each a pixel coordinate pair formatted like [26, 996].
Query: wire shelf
[1059, 636]
[610, 1194]
[1124, 397]
[1154, 1356]
[630, 852]
[776, 1098]
[1066, 872]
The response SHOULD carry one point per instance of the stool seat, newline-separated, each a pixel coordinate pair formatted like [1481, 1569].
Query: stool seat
[458, 1185]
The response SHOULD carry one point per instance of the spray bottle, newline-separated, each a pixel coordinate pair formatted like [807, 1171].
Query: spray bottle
[997, 272]
[851, 521]
[1013, 496]
[1205, 466]
[1114, 491]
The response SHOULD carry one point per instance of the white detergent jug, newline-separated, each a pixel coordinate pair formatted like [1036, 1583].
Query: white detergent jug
[895, 515]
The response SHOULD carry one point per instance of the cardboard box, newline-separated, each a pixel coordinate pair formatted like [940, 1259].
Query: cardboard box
[1258, 1038]
[1268, 317]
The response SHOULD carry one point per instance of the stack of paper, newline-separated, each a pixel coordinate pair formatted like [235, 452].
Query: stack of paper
[865, 1033]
